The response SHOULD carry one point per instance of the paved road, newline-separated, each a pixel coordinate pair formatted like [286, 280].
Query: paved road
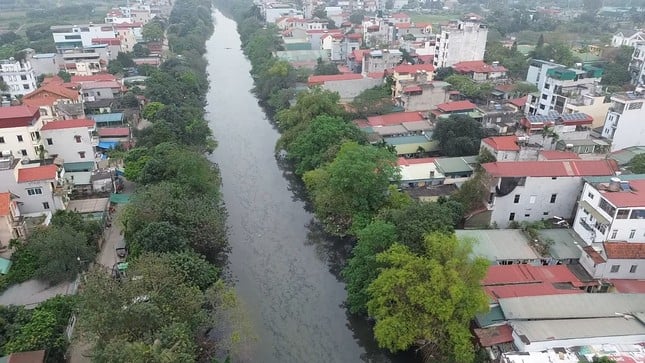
[31, 293]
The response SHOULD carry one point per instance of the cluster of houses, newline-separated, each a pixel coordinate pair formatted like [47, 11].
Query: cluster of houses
[559, 213]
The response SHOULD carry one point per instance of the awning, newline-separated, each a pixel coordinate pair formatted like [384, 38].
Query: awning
[119, 198]
[108, 144]
[599, 217]
[5, 265]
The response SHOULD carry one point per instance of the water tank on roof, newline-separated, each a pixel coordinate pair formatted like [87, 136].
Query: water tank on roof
[614, 184]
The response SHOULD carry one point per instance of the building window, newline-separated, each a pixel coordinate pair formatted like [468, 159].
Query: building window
[635, 106]
[554, 178]
[23, 77]
[1, 140]
[50, 141]
[527, 215]
[45, 205]
[81, 154]
[632, 233]
[637, 214]
[614, 233]
[19, 138]
[545, 213]
[622, 214]
[516, 199]
[511, 217]
[25, 85]
[615, 268]
[23, 152]
[605, 206]
[633, 269]
[34, 191]
[532, 199]
[77, 138]
[553, 196]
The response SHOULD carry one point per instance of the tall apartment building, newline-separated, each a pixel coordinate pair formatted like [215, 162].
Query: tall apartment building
[18, 76]
[67, 37]
[624, 124]
[637, 64]
[558, 85]
[460, 42]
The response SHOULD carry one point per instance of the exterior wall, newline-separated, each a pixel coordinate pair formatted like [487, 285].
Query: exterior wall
[501, 155]
[31, 203]
[594, 106]
[555, 343]
[64, 144]
[351, 88]
[429, 99]
[20, 77]
[540, 207]
[619, 39]
[69, 37]
[624, 126]
[603, 270]
[374, 63]
[466, 43]
[45, 63]
[30, 140]
[637, 65]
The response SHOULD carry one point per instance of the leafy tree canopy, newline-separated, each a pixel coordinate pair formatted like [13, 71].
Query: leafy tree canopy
[637, 164]
[458, 135]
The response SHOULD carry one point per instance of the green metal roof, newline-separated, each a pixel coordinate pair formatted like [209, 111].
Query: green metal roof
[79, 166]
[5, 265]
[624, 156]
[108, 117]
[453, 165]
[494, 316]
[410, 144]
[119, 198]
[297, 46]
[302, 55]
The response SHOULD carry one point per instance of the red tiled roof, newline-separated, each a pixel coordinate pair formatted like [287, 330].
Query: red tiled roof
[596, 257]
[18, 116]
[624, 250]
[394, 118]
[426, 58]
[54, 88]
[399, 16]
[316, 80]
[408, 162]
[456, 106]
[629, 286]
[355, 36]
[114, 131]
[358, 54]
[101, 84]
[42, 100]
[528, 274]
[410, 89]
[477, 67]
[128, 25]
[68, 124]
[551, 168]
[489, 337]
[413, 68]
[376, 75]
[402, 25]
[94, 78]
[109, 41]
[559, 155]
[34, 356]
[505, 87]
[635, 197]
[502, 143]
[521, 290]
[45, 172]
[5, 204]
[519, 102]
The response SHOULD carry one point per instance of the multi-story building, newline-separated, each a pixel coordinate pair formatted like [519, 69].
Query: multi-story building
[627, 38]
[71, 141]
[67, 37]
[637, 64]
[19, 76]
[460, 41]
[381, 60]
[557, 85]
[529, 191]
[624, 122]
[19, 131]
[480, 71]
[55, 100]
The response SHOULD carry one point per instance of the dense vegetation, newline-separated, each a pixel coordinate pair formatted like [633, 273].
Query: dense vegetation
[174, 226]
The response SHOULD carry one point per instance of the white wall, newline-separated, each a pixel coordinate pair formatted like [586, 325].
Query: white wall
[460, 45]
[12, 144]
[555, 343]
[535, 200]
[630, 128]
[65, 146]
[30, 203]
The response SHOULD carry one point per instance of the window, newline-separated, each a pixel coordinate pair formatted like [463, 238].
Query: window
[632, 233]
[622, 214]
[77, 138]
[635, 106]
[81, 154]
[544, 96]
[1, 140]
[605, 206]
[615, 268]
[23, 152]
[532, 199]
[547, 86]
[554, 178]
[633, 269]
[527, 215]
[45, 205]
[23, 77]
[553, 196]
[25, 85]
[545, 213]
[637, 214]
[511, 217]
[516, 199]
[19, 138]
[614, 233]
[34, 191]
[50, 141]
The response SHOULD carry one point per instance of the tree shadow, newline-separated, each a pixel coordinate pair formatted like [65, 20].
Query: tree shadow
[295, 184]
[334, 251]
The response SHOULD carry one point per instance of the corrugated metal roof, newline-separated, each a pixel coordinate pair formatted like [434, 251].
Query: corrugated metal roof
[552, 330]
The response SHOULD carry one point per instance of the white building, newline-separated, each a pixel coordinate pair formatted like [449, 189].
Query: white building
[68, 37]
[72, 140]
[628, 38]
[460, 42]
[624, 124]
[557, 85]
[18, 76]
[637, 64]
[19, 131]
[529, 191]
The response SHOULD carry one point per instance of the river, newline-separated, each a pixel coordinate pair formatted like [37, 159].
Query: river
[285, 269]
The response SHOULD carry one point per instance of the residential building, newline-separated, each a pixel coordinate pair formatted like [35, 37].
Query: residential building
[129, 34]
[11, 225]
[418, 94]
[460, 42]
[628, 38]
[56, 100]
[101, 90]
[381, 60]
[19, 76]
[623, 124]
[577, 354]
[501, 247]
[19, 131]
[592, 104]
[69, 37]
[557, 85]
[444, 110]
[86, 61]
[44, 63]
[420, 73]
[420, 172]
[457, 169]
[502, 117]
[480, 71]
[637, 64]
[503, 148]
[528, 191]
[559, 123]
[70, 141]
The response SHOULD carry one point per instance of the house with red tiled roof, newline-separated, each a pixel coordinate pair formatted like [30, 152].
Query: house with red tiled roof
[71, 142]
[503, 148]
[399, 18]
[529, 191]
[10, 223]
[557, 155]
[480, 71]
[444, 110]
[19, 126]
[52, 96]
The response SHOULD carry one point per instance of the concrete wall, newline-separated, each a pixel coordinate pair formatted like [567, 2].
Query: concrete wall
[11, 143]
[64, 144]
[351, 88]
[425, 101]
[467, 44]
[535, 202]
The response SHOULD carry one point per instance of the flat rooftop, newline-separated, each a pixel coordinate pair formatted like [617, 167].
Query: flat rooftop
[499, 244]
[89, 205]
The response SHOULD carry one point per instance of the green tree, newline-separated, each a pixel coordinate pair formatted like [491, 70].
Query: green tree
[469, 88]
[325, 68]
[152, 31]
[458, 135]
[373, 101]
[319, 12]
[472, 192]
[352, 187]
[160, 236]
[65, 76]
[320, 141]
[151, 110]
[363, 267]
[195, 269]
[524, 88]
[357, 17]
[637, 164]
[140, 51]
[428, 298]
[442, 73]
